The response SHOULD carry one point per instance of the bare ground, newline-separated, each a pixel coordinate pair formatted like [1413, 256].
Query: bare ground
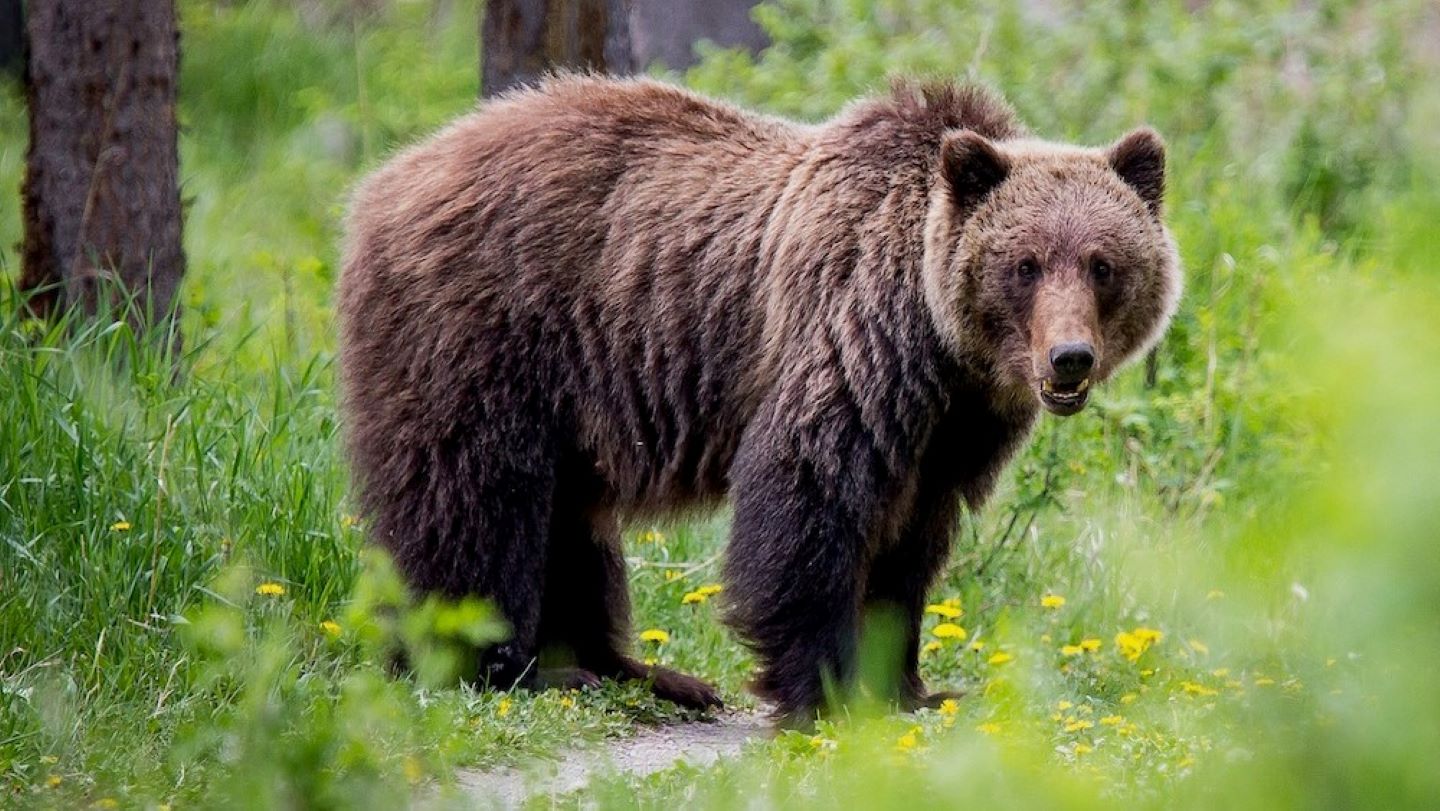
[650, 750]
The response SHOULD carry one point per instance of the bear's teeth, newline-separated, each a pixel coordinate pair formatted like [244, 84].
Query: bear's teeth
[1084, 384]
[1046, 385]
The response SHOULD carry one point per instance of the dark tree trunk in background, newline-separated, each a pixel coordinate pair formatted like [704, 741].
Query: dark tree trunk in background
[521, 40]
[101, 192]
[12, 37]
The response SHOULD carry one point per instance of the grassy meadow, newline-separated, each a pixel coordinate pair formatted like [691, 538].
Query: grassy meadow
[1220, 588]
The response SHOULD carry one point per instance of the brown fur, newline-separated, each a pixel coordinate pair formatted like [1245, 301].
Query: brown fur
[600, 298]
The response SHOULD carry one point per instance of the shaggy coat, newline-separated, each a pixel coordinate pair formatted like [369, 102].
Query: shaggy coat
[598, 299]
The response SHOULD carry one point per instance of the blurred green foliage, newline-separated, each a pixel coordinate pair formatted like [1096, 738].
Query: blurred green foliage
[185, 616]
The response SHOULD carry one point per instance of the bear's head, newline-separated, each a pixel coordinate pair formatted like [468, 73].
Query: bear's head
[1048, 266]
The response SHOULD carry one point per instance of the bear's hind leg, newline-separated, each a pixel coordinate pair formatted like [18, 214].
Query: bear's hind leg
[585, 621]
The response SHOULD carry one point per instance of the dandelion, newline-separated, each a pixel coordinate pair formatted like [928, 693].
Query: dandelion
[1077, 725]
[909, 741]
[1196, 689]
[1199, 647]
[655, 635]
[931, 646]
[330, 627]
[1134, 643]
[120, 526]
[949, 630]
[949, 612]
[701, 594]
[414, 772]
[1129, 698]
[1083, 749]
[1052, 601]
[1090, 644]
[651, 661]
[1071, 650]
[566, 702]
[988, 728]
[53, 781]
[348, 521]
[672, 574]
[949, 707]
[651, 536]
[692, 598]
[1001, 658]
[1062, 705]
[503, 708]
[1263, 681]
[976, 645]
[1112, 720]
[270, 590]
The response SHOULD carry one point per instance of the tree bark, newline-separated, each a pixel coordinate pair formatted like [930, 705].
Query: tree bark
[12, 37]
[101, 191]
[522, 40]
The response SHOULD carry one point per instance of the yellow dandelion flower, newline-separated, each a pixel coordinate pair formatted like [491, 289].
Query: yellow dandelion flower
[1195, 689]
[1085, 709]
[1052, 601]
[1134, 643]
[976, 645]
[655, 635]
[1148, 635]
[330, 627]
[672, 574]
[1077, 724]
[1090, 644]
[348, 521]
[1263, 681]
[414, 772]
[693, 598]
[988, 728]
[651, 661]
[1129, 698]
[1147, 672]
[566, 702]
[710, 589]
[909, 741]
[651, 536]
[949, 630]
[1112, 720]
[1083, 749]
[949, 612]
[949, 707]
[1071, 650]
[1199, 647]
[53, 781]
[1062, 705]
[1129, 730]
[1001, 658]
[270, 590]
[502, 709]
[120, 526]
[931, 646]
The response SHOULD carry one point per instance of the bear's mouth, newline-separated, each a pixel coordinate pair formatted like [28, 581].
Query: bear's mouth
[1064, 399]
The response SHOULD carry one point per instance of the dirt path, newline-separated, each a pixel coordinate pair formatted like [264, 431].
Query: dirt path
[650, 750]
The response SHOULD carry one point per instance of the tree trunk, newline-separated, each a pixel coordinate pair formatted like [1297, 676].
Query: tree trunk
[12, 37]
[101, 192]
[522, 40]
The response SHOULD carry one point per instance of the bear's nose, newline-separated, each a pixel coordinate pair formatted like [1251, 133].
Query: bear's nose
[1072, 361]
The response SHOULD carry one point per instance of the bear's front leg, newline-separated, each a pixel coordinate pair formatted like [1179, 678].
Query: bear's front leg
[806, 508]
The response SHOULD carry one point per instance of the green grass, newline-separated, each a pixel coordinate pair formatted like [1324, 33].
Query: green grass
[1268, 506]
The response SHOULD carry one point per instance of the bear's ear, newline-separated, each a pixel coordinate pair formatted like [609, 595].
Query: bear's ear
[972, 166]
[1139, 160]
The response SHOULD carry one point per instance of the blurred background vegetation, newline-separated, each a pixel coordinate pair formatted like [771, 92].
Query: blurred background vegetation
[184, 608]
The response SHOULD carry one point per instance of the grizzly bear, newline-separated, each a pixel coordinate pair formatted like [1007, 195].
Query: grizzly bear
[600, 299]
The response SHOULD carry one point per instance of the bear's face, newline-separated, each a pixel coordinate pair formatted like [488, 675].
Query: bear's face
[1048, 266]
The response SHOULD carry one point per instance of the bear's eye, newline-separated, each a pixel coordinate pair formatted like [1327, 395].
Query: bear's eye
[1028, 271]
[1102, 271]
